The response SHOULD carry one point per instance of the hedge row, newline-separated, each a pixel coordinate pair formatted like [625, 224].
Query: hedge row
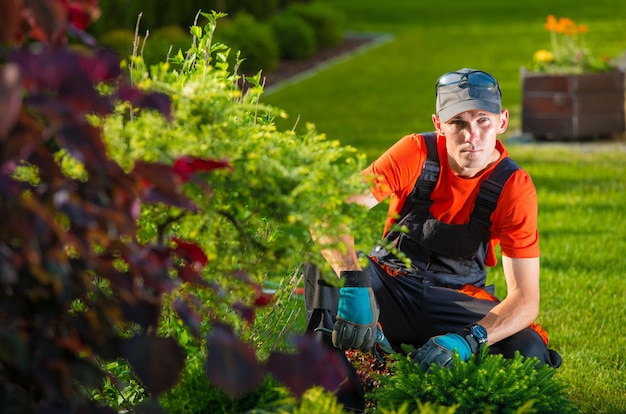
[281, 29]
[122, 14]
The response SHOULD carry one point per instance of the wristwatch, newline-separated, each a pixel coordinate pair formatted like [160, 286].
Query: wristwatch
[476, 337]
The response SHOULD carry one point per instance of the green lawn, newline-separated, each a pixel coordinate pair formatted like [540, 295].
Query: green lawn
[373, 99]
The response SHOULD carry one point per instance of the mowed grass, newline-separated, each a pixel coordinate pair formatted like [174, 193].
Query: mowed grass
[582, 224]
[378, 96]
[388, 91]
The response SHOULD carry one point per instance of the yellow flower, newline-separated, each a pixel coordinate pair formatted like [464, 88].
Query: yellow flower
[543, 56]
[568, 52]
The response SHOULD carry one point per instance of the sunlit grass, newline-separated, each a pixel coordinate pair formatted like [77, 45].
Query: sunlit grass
[582, 222]
[376, 97]
[370, 101]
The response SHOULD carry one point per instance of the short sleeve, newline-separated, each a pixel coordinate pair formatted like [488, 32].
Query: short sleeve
[515, 218]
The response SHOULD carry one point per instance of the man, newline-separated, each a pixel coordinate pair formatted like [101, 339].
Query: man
[458, 195]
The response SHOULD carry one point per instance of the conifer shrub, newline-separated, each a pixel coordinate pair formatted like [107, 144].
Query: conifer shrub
[326, 22]
[295, 38]
[494, 385]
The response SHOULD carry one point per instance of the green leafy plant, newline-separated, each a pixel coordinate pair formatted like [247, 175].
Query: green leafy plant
[568, 53]
[93, 256]
[494, 385]
[254, 221]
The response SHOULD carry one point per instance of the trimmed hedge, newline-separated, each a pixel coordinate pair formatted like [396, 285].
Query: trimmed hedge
[327, 23]
[295, 38]
[253, 27]
[255, 40]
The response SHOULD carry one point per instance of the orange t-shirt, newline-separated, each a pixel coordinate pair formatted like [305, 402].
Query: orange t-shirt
[514, 221]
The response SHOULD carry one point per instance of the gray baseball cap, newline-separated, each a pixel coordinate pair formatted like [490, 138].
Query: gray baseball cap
[466, 90]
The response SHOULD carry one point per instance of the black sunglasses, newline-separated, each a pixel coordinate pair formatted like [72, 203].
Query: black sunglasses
[475, 78]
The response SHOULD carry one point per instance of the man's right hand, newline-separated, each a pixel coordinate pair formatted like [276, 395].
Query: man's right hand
[357, 316]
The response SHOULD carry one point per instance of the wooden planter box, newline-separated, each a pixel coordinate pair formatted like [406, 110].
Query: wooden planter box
[573, 107]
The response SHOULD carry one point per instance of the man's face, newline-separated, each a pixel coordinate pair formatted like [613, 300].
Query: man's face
[471, 139]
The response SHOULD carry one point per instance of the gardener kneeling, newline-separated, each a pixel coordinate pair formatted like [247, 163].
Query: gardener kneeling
[459, 195]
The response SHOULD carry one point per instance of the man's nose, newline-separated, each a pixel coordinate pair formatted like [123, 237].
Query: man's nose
[471, 133]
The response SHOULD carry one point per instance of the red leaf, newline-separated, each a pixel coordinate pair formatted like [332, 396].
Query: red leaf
[157, 362]
[78, 16]
[185, 167]
[263, 299]
[315, 364]
[144, 312]
[231, 364]
[154, 100]
[246, 312]
[161, 185]
[191, 252]
[190, 317]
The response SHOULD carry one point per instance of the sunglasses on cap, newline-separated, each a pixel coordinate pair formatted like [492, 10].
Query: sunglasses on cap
[475, 78]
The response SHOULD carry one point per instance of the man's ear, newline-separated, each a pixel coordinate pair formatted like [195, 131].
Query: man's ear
[437, 123]
[504, 121]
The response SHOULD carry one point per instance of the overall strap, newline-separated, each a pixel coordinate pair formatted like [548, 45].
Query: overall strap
[490, 190]
[425, 184]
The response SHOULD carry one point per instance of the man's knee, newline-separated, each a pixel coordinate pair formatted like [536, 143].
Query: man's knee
[529, 344]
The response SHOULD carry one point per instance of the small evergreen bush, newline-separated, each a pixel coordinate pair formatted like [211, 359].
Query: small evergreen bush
[327, 23]
[254, 39]
[295, 38]
[495, 385]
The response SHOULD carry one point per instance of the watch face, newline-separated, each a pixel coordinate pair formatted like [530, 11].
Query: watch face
[479, 332]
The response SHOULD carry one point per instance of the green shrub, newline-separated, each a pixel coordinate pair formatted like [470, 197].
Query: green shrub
[164, 41]
[154, 49]
[254, 39]
[295, 38]
[260, 9]
[194, 394]
[326, 22]
[120, 41]
[253, 220]
[123, 14]
[495, 385]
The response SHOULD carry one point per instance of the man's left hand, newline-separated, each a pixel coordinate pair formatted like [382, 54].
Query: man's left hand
[439, 350]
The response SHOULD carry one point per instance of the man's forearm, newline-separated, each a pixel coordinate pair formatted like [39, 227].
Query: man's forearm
[343, 257]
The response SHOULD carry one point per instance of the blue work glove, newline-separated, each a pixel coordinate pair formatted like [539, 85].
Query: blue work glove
[357, 314]
[439, 350]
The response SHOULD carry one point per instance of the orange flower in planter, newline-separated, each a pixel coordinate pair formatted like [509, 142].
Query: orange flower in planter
[568, 53]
